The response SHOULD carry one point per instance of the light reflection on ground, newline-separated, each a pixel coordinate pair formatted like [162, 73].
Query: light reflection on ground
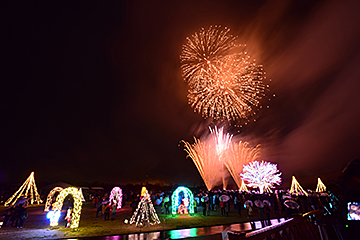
[189, 232]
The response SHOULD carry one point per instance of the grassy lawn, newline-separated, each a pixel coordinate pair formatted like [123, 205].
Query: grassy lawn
[37, 226]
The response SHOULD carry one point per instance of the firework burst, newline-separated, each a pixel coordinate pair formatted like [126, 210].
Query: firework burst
[206, 161]
[209, 156]
[225, 84]
[240, 154]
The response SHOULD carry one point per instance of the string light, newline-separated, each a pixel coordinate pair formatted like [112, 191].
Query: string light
[116, 195]
[320, 186]
[77, 204]
[243, 187]
[27, 188]
[143, 191]
[262, 175]
[145, 214]
[50, 196]
[188, 200]
[296, 187]
[82, 195]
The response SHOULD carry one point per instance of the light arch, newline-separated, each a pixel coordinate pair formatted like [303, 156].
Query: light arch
[116, 194]
[75, 215]
[50, 196]
[187, 195]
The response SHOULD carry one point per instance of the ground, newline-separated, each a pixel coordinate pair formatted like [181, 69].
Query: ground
[37, 226]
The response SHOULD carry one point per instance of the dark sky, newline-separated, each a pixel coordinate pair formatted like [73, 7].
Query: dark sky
[92, 91]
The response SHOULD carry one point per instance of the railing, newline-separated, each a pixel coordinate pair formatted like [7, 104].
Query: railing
[297, 228]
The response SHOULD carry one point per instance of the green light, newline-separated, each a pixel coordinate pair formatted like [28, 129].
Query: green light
[175, 199]
[346, 225]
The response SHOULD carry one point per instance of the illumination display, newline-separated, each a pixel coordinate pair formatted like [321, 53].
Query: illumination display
[145, 214]
[27, 189]
[320, 186]
[262, 175]
[143, 191]
[238, 155]
[77, 204]
[54, 217]
[116, 196]
[296, 187]
[353, 211]
[50, 197]
[182, 196]
[224, 83]
[243, 187]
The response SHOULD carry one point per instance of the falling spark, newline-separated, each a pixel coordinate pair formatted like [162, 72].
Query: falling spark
[224, 83]
[206, 160]
[240, 154]
[222, 141]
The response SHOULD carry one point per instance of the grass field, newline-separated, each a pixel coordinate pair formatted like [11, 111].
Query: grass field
[37, 226]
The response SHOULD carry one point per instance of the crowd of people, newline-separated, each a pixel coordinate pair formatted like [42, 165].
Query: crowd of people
[15, 215]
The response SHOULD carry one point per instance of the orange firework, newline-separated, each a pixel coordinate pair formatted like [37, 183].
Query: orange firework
[225, 83]
[238, 155]
[206, 161]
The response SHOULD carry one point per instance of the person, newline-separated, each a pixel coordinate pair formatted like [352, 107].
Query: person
[195, 205]
[113, 210]
[13, 216]
[99, 208]
[23, 215]
[166, 205]
[250, 212]
[267, 211]
[204, 205]
[107, 212]
[239, 203]
[346, 189]
[208, 207]
[222, 206]
[227, 208]
[7, 215]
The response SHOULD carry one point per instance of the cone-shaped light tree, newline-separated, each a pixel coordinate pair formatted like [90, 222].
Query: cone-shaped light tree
[27, 190]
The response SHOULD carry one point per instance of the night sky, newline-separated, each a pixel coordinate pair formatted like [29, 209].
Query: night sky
[92, 91]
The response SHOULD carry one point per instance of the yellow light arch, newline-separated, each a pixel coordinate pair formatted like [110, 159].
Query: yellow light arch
[50, 196]
[75, 216]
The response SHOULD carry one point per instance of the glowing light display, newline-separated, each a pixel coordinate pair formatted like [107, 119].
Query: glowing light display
[145, 214]
[320, 186]
[224, 82]
[296, 187]
[116, 196]
[50, 197]
[54, 217]
[77, 204]
[262, 175]
[27, 189]
[238, 155]
[243, 187]
[143, 191]
[182, 196]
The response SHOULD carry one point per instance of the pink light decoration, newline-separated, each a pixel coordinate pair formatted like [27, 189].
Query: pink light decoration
[116, 195]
